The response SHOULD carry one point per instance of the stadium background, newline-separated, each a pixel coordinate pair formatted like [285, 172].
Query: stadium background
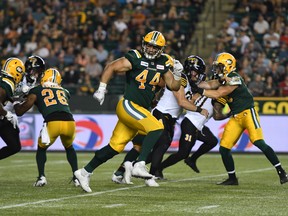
[59, 31]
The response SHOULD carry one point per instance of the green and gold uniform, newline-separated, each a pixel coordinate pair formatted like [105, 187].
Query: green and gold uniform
[244, 115]
[133, 109]
[8, 133]
[52, 103]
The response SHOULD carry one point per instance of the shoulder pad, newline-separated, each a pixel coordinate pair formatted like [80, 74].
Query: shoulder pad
[134, 53]
[184, 81]
[221, 100]
[236, 80]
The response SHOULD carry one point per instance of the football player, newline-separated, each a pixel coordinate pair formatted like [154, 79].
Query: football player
[52, 101]
[193, 125]
[244, 115]
[143, 69]
[12, 73]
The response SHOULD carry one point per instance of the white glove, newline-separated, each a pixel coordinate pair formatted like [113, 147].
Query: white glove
[178, 68]
[100, 93]
[12, 118]
[25, 89]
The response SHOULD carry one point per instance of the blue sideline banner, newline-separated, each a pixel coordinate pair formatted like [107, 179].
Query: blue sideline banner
[93, 131]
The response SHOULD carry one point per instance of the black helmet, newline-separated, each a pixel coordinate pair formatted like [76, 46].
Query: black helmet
[195, 63]
[34, 66]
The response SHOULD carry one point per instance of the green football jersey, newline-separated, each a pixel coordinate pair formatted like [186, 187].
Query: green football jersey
[51, 100]
[241, 98]
[9, 87]
[142, 79]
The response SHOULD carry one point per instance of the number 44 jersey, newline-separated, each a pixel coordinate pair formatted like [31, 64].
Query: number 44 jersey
[143, 78]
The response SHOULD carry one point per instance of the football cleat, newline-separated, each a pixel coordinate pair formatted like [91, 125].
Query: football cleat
[84, 178]
[40, 182]
[229, 182]
[76, 182]
[140, 170]
[192, 165]
[128, 172]
[151, 182]
[159, 175]
[117, 179]
[283, 178]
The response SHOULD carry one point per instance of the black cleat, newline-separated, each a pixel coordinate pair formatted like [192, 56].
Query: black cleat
[192, 165]
[159, 175]
[229, 182]
[283, 178]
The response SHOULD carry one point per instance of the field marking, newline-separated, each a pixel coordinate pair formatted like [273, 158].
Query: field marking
[121, 189]
[114, 205]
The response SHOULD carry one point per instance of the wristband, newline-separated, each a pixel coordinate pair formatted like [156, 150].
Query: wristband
[200, 91]
[102, 85]
[198, 109]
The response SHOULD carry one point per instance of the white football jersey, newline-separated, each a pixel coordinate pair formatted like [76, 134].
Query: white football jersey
[168, 103]
[196, 118]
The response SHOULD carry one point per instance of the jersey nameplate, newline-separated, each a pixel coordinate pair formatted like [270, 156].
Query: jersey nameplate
[160, 67]
[145, 64]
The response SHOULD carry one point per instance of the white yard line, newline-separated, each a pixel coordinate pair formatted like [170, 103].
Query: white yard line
[120, 189]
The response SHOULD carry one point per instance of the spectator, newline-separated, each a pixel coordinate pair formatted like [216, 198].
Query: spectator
[270, 89]
[101, 53]
[271, 39]
[100, 34]
[283, 87]
[94, 69]
[14, 47]
[89, 50]
[260, 27]
[256, 87]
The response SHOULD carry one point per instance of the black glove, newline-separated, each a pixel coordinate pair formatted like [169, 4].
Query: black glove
[195, 89]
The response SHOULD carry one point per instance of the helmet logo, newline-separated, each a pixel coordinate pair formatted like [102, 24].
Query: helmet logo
[195, 62]
[19, 69]
[229, 61]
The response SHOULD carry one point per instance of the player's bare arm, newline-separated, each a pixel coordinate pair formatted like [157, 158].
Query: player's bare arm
[173, 84]
[220, 92]
[22, 108]
[186, 104]
[121, 65]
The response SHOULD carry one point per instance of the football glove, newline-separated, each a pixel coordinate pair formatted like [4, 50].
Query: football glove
[178, 68]
[100, 93]
[12, 118]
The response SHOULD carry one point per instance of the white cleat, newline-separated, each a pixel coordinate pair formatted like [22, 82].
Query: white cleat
[76, 183]
[84, 178]
[40, 182]
[128, 172]
[151, 182]
[117, 179]
[140, 170]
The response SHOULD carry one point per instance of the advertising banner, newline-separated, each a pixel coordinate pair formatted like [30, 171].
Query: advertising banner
[93, 131]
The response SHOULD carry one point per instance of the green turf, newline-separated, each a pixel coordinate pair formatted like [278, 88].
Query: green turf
[184, 193]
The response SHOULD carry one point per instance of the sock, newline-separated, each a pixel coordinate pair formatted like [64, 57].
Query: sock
[228, 161]
[72, 158]
[268, 151]
[204, 148]
[100, 157]
[148, 143]
[41, 160]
